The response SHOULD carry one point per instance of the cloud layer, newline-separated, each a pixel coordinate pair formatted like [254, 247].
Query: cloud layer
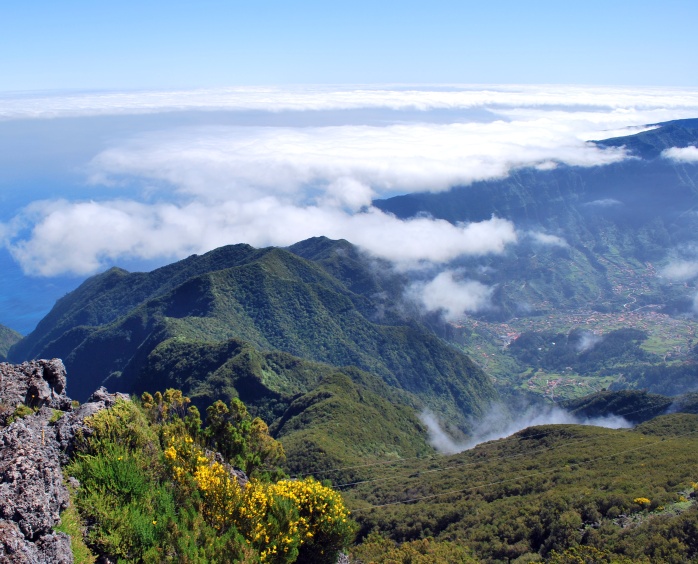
[81, 238]
[625, 100]
[452, 295]
[200, 187]
[355, 163]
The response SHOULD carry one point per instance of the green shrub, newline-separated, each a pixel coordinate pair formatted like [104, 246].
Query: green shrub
[20, 411]
[151, 492]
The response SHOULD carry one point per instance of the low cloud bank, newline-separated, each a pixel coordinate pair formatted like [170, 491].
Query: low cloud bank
[81, 238]
[681, 270]
[681, 154]
[452, 295]
[247, 162]
[587, 341]
[546, 239]
[499, 423]
[627, 100]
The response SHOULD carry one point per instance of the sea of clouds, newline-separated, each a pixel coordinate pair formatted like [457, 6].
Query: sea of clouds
[273, 166]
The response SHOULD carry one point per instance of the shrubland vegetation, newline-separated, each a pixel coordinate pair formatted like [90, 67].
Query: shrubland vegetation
[152, 489]
[560, 493]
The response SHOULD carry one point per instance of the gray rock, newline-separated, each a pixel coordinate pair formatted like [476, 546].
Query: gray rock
[50, 549]
[31, 482]
[13, 546]
[233, 472]
[55, 549]
[32, 493]
[36, 383]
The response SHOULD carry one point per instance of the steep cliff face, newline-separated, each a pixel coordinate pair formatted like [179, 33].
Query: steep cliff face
[8, 337]
[32, 493]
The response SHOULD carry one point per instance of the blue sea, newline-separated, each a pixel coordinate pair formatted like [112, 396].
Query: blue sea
[24, 300]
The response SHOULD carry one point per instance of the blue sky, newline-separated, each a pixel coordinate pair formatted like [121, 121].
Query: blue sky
[173, 44]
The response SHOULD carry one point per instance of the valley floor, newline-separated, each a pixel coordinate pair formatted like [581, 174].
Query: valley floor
[670, 338]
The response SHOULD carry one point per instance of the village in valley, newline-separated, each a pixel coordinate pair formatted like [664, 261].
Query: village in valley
[670, 337]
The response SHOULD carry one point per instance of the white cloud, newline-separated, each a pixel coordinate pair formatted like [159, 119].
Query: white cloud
[680, 270]
[603, 203]
[500, 422]
[681, 154]
[679, 101]
[203, 187]
[244, 163]
[452, 295]
[588, 341]
[546, 239]
[84, 237]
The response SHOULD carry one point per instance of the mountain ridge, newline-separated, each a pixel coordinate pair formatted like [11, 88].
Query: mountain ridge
[271, 298]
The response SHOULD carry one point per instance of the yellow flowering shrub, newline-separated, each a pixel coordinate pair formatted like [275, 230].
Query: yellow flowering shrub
[287, 521]
[295, 517]
[642, 501]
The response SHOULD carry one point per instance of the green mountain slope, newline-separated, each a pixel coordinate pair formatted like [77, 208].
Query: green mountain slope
[343, 423]
[327, 417]
[272, 299]
[8, 337]
[103, 298]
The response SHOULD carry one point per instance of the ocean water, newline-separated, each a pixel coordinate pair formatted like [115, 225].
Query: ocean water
[25, 300]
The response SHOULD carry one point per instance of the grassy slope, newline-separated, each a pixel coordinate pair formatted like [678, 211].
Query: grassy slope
[327, 417]
[546, 488]
[342, 423]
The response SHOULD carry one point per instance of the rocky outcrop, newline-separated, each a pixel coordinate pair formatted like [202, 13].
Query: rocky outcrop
[32, 449]
[14, 548]
[36, 383]
[32, 493]
[73, 423]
